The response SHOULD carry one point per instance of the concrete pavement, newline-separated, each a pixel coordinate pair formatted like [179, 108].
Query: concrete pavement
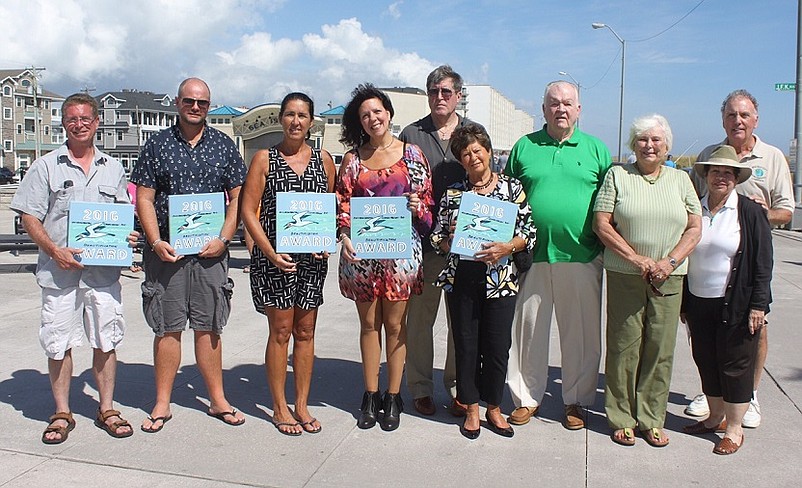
[198, 451]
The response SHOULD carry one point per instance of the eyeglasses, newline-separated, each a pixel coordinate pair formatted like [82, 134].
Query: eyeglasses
[444, 92]
[657, 291]
[189, 102]
[79, 120]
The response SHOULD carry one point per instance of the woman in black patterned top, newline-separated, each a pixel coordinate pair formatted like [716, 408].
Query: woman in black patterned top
[288, 288]
[481, 291]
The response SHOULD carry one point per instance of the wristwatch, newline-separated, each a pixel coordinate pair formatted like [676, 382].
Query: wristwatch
[226, 242]
[672, 262]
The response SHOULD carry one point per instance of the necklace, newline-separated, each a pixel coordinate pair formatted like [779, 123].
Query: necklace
[649, 178]
[483, 186]
[445, 132]
[376, 148]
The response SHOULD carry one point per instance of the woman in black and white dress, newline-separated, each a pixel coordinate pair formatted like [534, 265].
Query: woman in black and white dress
[288, 288]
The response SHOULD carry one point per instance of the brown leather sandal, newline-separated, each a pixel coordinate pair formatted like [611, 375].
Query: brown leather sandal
[63, 432]
[728, 446]
[112, 429]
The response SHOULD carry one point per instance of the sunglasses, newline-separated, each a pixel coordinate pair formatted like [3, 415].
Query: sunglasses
[657, 291]
[444, 92]
[189, 102]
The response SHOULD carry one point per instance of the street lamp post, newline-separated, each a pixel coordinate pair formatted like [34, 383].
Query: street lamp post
[599, 25]
[578, 87]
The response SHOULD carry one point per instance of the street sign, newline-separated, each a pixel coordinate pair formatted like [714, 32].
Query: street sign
[784, 86]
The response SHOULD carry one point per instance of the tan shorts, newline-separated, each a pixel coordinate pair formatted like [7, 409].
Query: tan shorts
[71, 313]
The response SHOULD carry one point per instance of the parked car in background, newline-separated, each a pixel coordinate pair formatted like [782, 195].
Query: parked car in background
[6, 176]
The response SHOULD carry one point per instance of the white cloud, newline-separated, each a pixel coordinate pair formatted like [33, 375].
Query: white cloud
[395, 9]
[154, 44]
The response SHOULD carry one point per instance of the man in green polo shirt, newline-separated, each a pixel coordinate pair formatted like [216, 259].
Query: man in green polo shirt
[561, 169]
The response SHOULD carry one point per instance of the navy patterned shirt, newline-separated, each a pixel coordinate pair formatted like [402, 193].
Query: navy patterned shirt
[171, 166]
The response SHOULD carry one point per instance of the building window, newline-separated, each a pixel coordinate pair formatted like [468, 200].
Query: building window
[19, 129]
[7, 113]
[47, 130]
[54, 112]
[99, 136]
[18, 101]
[8, 145]
[120, 136]
[25, 83]
[6, 91]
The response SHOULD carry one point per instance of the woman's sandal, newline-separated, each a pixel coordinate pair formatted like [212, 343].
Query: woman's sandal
[728, 446]
[655, 437]
[63, 432]
[624, 437]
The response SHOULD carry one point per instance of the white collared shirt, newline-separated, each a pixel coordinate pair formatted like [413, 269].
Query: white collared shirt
[710, 264]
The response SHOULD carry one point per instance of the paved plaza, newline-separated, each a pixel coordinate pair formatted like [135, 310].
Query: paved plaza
[195, 450]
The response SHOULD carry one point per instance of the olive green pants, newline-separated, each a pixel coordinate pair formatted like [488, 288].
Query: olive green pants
[641, 334]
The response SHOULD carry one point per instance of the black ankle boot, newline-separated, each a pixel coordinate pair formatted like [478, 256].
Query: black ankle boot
[371, 404]
[393, 406]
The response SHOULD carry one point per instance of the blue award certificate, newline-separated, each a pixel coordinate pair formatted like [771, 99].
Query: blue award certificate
[195, 219]
[101, 230]
[306, 222]
[482, 220]
[381, 228]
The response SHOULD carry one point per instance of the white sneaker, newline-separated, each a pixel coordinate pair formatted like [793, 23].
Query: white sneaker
[698, 407]
[752, 417]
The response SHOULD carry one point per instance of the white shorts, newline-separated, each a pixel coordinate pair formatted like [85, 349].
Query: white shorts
[70, 313]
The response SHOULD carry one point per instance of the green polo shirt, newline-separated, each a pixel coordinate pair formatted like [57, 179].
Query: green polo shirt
[561, 181]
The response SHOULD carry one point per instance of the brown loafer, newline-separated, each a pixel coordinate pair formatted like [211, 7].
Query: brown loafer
[522, 415]
[457, 408]
[424, 405]
[699, 428]
[574, 417]
[727, 446]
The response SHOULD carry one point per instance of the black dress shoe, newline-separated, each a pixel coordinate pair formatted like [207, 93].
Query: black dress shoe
[371, 404]
[469, 433]
[502, 431]
[393, 406]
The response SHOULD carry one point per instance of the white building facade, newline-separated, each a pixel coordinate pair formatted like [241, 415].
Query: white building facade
[504, 122]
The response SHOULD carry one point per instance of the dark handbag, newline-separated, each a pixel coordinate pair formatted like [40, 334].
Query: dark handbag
[522, 258]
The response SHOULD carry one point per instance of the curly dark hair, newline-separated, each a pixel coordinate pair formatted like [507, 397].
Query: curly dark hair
[467, 135]
[352, 133]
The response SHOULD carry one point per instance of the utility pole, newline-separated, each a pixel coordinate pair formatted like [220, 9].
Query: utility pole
[36, 135]
[86, 89]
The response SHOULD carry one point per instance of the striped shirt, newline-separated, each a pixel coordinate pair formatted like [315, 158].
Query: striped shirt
[651, 214]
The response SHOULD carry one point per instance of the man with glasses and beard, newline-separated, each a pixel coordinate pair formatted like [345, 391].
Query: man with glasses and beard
[187, 158]
[433, 135]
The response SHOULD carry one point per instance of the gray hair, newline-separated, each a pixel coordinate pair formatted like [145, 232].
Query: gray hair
[558, 83]
[740, 93]
[441, 73]
[644, 124]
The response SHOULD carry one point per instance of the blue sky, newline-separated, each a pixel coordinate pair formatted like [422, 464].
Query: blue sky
[255, 51]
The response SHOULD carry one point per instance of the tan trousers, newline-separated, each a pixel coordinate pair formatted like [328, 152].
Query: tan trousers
[421, 315]
[571, 292]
